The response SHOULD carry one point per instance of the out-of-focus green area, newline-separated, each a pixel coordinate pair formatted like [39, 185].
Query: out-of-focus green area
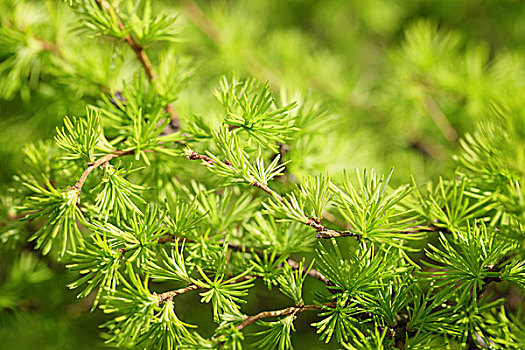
[403, 81]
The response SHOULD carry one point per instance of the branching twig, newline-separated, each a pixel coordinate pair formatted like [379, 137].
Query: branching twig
[205, 159]
[209, 161]
[322, 231]
[265, 188]
[101, 161]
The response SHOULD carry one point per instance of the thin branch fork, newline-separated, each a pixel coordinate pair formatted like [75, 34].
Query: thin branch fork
[99, 162]
[264, 187]
[206, 160]
[197, 156]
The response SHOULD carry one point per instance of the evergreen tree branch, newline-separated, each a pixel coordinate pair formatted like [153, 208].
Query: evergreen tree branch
[322, 231]
[377, 295]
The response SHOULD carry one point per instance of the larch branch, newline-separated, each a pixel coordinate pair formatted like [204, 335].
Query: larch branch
[322, 231]
[238, 248]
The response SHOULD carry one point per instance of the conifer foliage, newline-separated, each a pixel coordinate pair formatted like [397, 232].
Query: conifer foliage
[144, 201]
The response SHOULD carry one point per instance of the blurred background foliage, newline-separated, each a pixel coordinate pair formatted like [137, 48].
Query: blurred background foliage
[399, 82]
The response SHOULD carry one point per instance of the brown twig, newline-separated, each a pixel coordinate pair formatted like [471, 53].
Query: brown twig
[139, 50]
[173, 293]
[169, 295]
[325, 232]
[265, 188]
[143, 59]
[284, 312]
[209, 161]
[141, 55]
[196, 156]
[99, 162]
[312, 272]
